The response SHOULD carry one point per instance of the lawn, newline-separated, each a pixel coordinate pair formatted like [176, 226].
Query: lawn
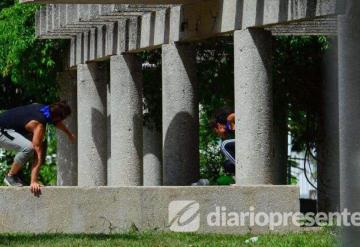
[308, 239]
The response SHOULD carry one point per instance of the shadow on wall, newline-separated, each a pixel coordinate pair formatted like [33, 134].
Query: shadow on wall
[99, 134]
[181, 150]
[138, 137]
[100, 78]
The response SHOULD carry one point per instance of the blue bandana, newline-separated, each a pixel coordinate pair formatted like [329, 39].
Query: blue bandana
[47, 114]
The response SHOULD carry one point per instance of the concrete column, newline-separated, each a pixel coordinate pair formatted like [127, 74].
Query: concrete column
[152, 157]
[92, 119]
[328, 145]
[254, 107]
[67, 156]
[180, 115]
[349, 115]
[126, 121]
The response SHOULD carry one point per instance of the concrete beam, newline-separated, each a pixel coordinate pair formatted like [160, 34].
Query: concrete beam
[150, 26]
[320, 26]
[112, 210]
[221, 16]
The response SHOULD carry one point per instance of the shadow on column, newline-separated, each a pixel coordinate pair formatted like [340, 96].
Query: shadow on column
[181, 150]
[99, 131]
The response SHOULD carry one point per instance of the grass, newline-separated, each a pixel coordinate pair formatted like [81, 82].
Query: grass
[159, 239]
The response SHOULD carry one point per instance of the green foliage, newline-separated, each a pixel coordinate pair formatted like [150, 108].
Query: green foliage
[216, 90]
[323, 238]
[27, 74]
[6, 3]
[152, 88]
[297, 72]
[27, 65]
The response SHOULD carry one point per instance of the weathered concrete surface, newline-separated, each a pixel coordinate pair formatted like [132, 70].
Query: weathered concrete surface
[152, 157]
[254, 107]
[110, 209]
[328, 144]
[67, 156]
[160, 23]
[92, 122]
[126, 121]
[349, 111]
[180, 115]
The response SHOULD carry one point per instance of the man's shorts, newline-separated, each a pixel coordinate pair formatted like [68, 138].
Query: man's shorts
[13, 141]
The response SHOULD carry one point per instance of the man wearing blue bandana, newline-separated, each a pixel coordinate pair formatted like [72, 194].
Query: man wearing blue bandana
[224, 127]
[22, 129]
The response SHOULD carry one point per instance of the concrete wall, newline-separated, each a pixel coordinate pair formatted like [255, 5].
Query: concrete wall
[109, 209]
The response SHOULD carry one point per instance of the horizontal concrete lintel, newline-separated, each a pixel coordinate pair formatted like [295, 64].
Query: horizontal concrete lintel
[141, 7]
[55, 36]
[117, 209]
[277, 33]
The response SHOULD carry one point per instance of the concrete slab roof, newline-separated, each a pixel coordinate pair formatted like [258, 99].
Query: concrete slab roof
[97, 31]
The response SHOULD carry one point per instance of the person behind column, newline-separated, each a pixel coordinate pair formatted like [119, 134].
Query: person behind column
[22, 129]
[223, 125]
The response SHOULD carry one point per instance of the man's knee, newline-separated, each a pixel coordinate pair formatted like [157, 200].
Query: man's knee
[26, 153]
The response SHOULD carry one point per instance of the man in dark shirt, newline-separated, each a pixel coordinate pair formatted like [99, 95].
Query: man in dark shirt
[22, 129]
[224, 126]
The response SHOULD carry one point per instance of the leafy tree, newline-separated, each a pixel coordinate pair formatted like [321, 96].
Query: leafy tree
[27, 71]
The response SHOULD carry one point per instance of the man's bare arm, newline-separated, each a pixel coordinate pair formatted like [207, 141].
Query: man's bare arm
[38, 131]
[38, 137]
[61, 126]
[231, 119]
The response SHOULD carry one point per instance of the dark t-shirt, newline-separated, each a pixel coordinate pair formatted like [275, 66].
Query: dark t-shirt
[18, 117]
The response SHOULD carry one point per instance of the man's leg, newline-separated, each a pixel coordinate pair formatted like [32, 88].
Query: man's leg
[14, 141]
[228, 149]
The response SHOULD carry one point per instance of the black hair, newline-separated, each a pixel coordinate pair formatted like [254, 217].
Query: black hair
[220, 117]
[60, 109]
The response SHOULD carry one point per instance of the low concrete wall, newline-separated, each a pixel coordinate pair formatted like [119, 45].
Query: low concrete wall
[110, 209]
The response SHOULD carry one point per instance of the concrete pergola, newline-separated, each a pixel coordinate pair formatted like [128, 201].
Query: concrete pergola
[108, 100]
[114, 32]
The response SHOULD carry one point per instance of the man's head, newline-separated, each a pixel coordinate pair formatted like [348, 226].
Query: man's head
[60, 111]
[218, 124]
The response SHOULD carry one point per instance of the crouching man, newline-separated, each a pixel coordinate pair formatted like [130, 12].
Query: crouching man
[22, 129]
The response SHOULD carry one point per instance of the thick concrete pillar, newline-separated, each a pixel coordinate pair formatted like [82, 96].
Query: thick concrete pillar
[126, 121]
[254, 107]
[349, 115]
[92, 119]
[180, 115]
[152, 157]
[328, 145]
[67, 155]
